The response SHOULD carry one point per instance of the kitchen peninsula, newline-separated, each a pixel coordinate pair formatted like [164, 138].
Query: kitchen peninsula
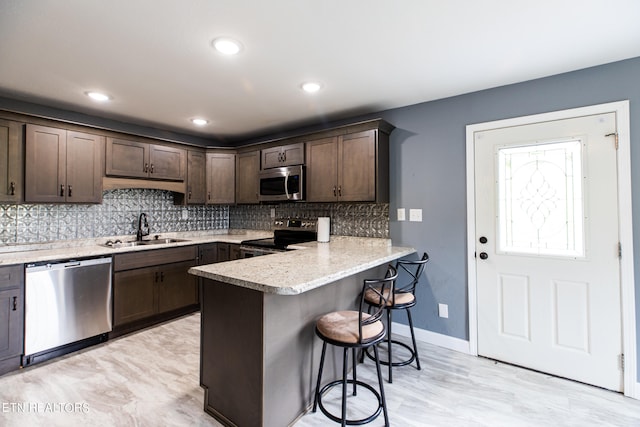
[259, 355]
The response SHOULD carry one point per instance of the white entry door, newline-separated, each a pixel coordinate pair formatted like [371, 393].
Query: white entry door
[547, 248]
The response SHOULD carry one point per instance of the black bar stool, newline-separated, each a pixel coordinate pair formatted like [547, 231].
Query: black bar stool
[400, 298]
[355, 330]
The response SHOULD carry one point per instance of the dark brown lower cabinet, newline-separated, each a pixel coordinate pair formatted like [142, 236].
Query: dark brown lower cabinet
[134, 295]
[11, 317]
[153, 286]
[176, 288]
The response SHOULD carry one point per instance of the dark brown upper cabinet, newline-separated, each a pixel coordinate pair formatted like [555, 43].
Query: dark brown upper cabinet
[196, 177]
[62, 166]
[133, 159]
[11, 161]
[348, 168]
[221, 178]
[284, 155]
[247, 169]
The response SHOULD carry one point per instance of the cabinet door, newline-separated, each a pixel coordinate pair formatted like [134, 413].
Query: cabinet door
[248, 167]
[357, 167]
[293, 154]
[11, 161]
[234, 251]
[196, 177]
[45, 164]
[84, 167]
[168, 163]
[271, 157]
[11, 311]
[127, 158]
[223, 252]
[11, 330]
[221, 177]
[134, 295]
[322, 170]
[208, 254]
[176, 287]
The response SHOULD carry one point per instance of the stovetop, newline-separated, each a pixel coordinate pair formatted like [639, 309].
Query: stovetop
[287, 232]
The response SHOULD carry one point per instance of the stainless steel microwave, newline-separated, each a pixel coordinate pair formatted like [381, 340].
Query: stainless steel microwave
[282, 184]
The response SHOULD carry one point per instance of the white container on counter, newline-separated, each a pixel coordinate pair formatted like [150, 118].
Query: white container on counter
[324, 229]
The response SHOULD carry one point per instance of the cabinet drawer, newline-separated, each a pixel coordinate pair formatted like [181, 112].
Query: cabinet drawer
[154, 257]
[11, 276]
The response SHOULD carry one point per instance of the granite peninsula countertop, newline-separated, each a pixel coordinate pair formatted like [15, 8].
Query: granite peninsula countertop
[311, 266]
[82, 248]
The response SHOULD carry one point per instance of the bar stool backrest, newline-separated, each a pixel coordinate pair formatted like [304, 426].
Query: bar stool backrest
[382, 289]
[415, 270]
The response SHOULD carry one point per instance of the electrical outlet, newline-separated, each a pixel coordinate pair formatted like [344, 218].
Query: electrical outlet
[185, 214]
[401, 214]
[443, 310]
[273, 213]
[415, 215]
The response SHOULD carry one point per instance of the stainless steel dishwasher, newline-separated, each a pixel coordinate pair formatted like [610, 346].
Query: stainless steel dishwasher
[67, 307]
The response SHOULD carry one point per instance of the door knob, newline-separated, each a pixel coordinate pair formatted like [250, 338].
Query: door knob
[483, 255]
[483, 239]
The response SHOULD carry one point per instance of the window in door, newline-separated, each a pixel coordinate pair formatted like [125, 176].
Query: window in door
[540, 200]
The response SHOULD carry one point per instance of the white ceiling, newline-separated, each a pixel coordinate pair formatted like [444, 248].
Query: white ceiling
[155, 58]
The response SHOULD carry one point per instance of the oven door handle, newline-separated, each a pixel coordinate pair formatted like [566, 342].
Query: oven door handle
[286, 185]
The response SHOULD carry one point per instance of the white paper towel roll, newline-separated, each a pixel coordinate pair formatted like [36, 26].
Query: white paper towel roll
[324, 229]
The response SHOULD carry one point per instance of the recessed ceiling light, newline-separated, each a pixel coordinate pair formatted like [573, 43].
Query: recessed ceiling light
[199, 122]
[98, 96]
[311, 87]
[227, 45]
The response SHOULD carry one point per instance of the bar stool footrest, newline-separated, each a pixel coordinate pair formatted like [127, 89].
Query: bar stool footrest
[350, 422]
[399, 363]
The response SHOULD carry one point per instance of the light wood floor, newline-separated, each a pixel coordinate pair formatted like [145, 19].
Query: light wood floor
[151, 379]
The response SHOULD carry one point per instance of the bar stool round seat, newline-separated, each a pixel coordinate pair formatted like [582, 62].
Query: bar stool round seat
[353, 329]
[399, 298]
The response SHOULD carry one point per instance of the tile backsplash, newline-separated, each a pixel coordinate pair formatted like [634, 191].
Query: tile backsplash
[119, 211]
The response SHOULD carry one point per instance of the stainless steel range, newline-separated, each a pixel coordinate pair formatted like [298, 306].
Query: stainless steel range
[286, 232]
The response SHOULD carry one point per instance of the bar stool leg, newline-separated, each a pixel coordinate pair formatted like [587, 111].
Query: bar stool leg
[315, 397]
[353, 361]
[345, 360]
[380, 383]
[389, 344]
[413, 338]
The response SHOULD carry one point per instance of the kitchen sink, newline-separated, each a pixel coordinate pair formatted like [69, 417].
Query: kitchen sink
[128, 244]
[161, 241]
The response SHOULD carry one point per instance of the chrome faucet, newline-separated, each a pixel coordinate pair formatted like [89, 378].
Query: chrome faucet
[143, 227]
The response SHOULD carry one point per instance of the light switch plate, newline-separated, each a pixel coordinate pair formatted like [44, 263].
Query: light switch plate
[415, 215]
[185, 214]
[273, 212]
[443, 310]
[401, 214]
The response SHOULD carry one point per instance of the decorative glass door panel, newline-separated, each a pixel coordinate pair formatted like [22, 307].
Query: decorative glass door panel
[540, 199]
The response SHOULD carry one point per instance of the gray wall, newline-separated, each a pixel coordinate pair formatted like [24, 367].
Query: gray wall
[428, 171]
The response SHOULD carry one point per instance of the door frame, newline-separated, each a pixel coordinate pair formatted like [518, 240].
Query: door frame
[627, 283]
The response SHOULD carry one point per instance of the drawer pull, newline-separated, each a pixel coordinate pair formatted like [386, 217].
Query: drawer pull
[15, 303]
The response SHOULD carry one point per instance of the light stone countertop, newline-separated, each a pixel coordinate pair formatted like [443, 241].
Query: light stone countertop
[313, 265]
[82, 248]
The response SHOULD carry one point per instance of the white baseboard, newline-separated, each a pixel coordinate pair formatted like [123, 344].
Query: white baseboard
[434, 338]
